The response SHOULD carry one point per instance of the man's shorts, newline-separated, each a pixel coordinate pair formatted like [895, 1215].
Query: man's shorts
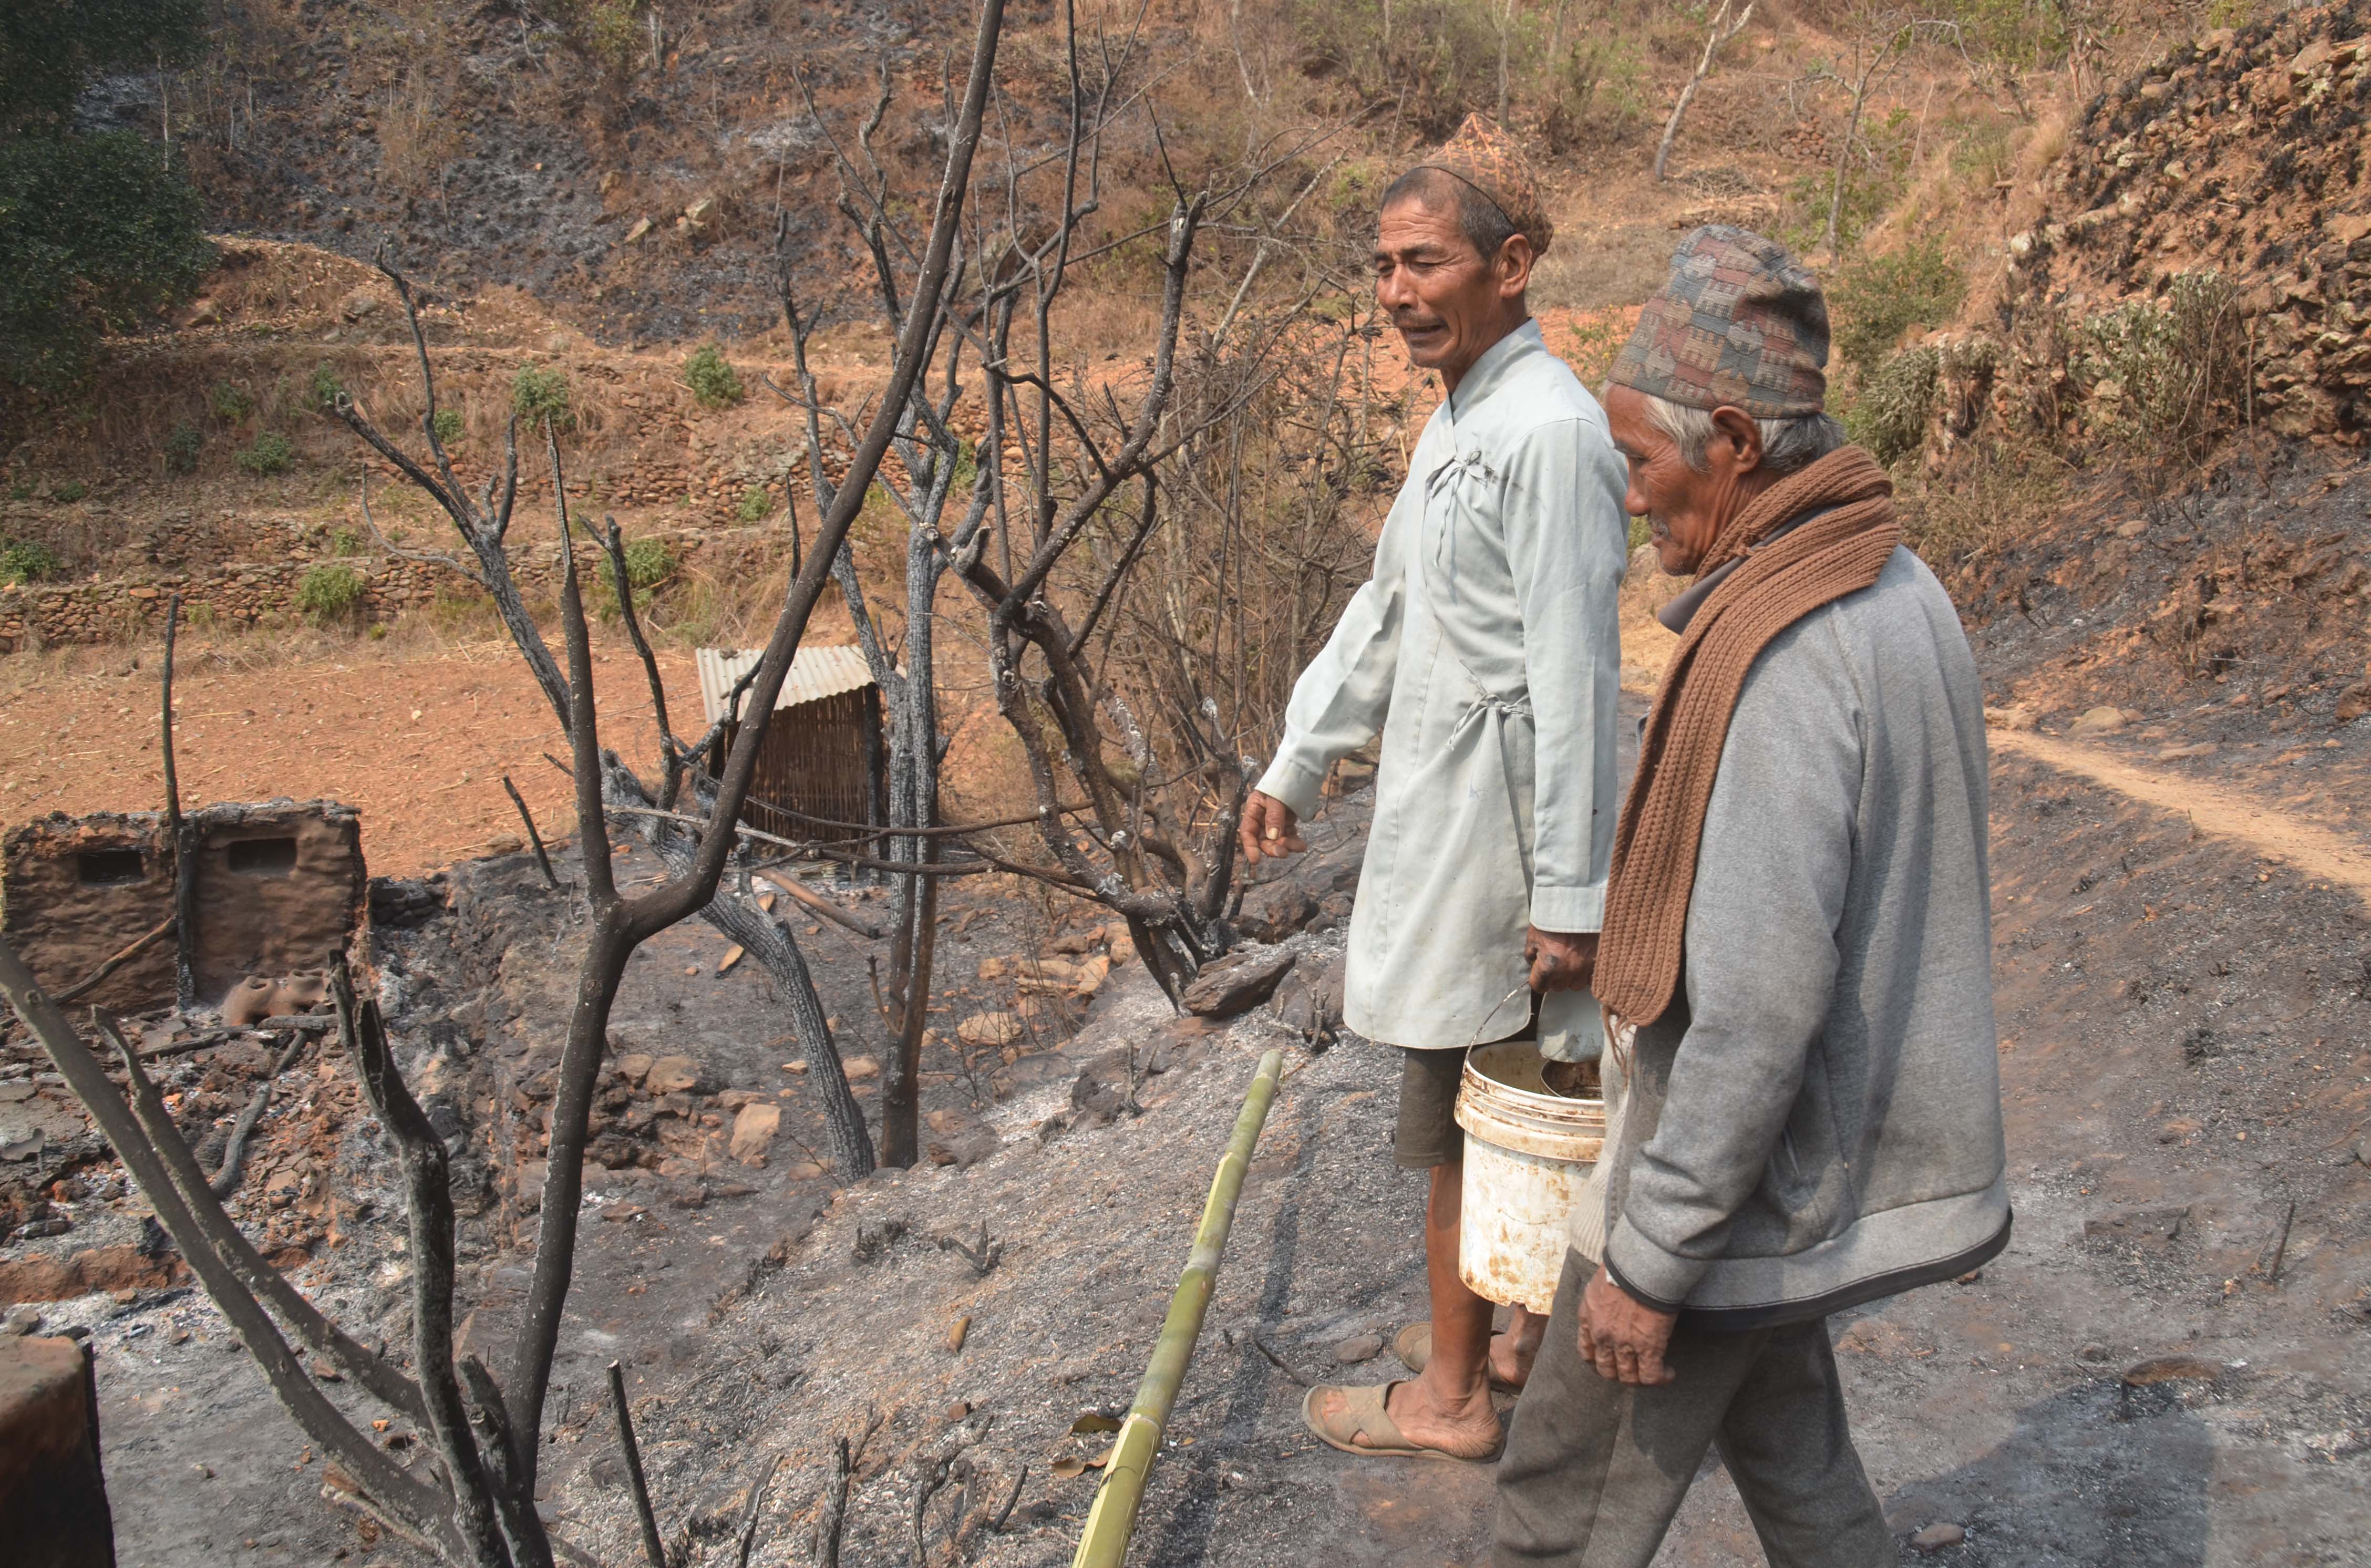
[1428, 1134]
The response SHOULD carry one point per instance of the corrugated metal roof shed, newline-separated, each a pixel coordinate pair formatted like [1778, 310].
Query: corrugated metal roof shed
[815, 673]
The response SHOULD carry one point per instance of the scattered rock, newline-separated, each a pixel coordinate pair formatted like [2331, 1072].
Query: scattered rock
[804, 1170]
[1940, 1538]
[641, 227]
[2100, 722]
[2153, 1230]
[675, 1075]
[2172, 1369]
[966, 1149]
[753, 1131]
[1311, 1004]
[2175, 1130]
[1358, 1348]
[2094, 1352]
[635, 1067]
[2014, 717]
[859, 1068]
[990, 1029]
[2354, 702]
[92, 1269]
[1237, 982]
[2184, 754]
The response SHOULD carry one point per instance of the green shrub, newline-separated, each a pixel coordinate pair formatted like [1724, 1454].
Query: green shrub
[1889, 415]
[757, 504]
[24, 562]
[448, 426]
[231, 403]
[324, 390]
[648, 563]
[181, 449]
[345, 542]
[67, 492]
[537, 395]
[327, 594]
[711, 379]
[2166, 377]
[272, 454]
[1873, 300]
[1642, 530]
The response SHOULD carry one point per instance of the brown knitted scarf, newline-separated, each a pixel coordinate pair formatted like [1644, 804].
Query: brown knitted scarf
[1839, 551]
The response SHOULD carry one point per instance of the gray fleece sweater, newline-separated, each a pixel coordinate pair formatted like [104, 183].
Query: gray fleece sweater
[1816, 1122]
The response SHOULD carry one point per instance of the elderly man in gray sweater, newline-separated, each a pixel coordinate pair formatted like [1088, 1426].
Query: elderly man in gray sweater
[1797, 924]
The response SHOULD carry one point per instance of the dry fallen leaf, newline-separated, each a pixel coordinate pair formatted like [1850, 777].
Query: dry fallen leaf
[1095, 1421]
[1099, 1460]
[732, 956]
[955, 1333]
[1070, 1466]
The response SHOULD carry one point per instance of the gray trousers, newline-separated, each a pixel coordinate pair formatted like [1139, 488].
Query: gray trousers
[1594, 1471]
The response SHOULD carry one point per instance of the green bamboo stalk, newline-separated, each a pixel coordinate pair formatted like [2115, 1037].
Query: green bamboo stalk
[1112, 1520]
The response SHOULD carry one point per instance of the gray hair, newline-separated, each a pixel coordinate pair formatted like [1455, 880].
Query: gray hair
[1796, 442]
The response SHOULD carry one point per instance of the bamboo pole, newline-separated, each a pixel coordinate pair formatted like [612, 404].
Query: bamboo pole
[1112, 1520]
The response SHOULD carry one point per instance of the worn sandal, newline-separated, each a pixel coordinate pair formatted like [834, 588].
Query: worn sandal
[1363, 1414]
[1413, 1345]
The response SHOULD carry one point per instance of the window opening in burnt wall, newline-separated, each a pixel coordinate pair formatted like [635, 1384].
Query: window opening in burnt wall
[264, 856]
[107, 867]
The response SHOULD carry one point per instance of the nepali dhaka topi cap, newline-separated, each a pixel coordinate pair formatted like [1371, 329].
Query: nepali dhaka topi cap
[1487, 159]
[1740, 322]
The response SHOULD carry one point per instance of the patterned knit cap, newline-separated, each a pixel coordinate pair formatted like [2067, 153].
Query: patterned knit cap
[1741, 322]
[1487, 159]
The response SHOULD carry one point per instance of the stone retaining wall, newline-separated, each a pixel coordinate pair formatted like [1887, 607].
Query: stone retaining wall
[252, 593]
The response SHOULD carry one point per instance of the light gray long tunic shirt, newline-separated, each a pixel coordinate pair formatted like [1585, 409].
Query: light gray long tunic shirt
[1486, 649]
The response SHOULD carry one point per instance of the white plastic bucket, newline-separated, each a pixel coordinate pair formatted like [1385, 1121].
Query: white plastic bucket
[1529, 1152]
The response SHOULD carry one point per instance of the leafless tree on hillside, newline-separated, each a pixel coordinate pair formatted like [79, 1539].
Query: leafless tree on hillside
[470, 1500]
[1725, 24]
[1066, 483]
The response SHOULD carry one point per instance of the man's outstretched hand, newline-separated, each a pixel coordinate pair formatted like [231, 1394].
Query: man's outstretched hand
[1622, 1339]
[1269, 828]
[1561, 961]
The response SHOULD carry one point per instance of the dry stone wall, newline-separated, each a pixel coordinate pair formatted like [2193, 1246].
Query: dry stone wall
[264, 592]
[2214, 205]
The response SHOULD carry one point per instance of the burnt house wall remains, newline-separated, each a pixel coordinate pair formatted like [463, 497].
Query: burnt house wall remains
[278, 885]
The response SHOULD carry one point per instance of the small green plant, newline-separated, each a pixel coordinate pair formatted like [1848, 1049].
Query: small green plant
[1642, 530]
[711, 379]
[230, 403]
[755, 506]
[2166, 377]
[537, 395]
[324, 390]
[1876, 299]
[448, 426]
[1890, 414]
[648, 563]
[21, 560]
[181, 449]
[272, 454]
[67, 492]
[327, 594]
[344, 542]
[21, 490]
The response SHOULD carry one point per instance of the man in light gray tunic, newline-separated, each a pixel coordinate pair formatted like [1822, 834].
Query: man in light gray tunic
[1487, 651]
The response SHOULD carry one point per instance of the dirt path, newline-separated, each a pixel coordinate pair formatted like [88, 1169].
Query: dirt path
[2312, 848]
